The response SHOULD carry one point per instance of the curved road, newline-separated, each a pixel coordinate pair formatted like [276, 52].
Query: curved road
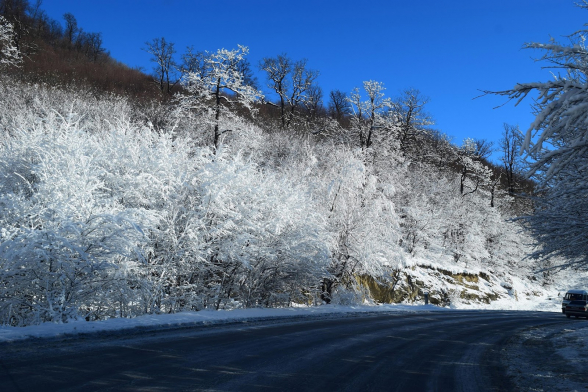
[437, 351]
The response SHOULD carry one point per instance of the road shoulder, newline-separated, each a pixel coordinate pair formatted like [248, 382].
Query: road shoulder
[549, 357]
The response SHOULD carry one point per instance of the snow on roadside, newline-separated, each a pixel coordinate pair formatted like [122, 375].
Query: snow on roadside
[206, 317]
[549, 358]
[210, 317]
[539, 304]
[552, 357]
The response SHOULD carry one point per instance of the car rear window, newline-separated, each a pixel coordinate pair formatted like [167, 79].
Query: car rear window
[573, 297]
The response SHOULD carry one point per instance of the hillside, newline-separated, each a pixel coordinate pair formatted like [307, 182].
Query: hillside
[105, 216]
[115, 203]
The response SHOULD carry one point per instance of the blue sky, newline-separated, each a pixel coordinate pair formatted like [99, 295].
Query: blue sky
[447, 49]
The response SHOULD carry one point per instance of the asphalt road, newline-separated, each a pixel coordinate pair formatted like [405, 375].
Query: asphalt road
[437, 351]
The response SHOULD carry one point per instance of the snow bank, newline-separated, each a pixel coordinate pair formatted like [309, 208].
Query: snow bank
[211, 317]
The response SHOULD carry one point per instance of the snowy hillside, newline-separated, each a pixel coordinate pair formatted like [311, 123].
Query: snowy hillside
[105, 216]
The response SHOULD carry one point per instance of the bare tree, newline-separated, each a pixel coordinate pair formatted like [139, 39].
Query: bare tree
[249, 78]
[71, 27]
[35, 10]
[163, 56]
[80, 42]
[14, 10]
[302, 85]
[193, 62]
[95, 46]
[292, 81]
[494, 186]
[510, 146]
[338, 105]
[277, 69]
[484, 148]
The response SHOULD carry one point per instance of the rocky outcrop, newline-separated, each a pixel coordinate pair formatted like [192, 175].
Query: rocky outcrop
[443, 286]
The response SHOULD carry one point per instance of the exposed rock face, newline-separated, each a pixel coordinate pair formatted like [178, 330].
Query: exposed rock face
[443, 286]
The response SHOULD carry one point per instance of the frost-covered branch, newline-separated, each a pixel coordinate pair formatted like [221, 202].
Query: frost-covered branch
[556, 144]
[9, 53]
[370, 116]
[219, 89]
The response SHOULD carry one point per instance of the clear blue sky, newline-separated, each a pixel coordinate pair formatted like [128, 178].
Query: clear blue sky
[447, 49]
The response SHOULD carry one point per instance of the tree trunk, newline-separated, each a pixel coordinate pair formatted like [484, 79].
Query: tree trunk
[217, 116]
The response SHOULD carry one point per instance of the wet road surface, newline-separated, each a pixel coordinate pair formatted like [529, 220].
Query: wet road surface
[437, 351]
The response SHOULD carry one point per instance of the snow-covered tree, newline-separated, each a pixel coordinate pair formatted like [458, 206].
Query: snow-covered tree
[63, 233]
[219, 89]
[370, 117]
[409, 110]
[9, 53]
[105, 217]
[106, 214]
[362, 216]
[438, 222]
[473, 173]
[557, 147]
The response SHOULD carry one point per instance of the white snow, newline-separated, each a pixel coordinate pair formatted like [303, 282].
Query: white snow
[548, 302]
[572, 343]
[550, 358]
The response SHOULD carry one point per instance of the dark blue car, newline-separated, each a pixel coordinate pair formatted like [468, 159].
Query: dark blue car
[577, 309]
